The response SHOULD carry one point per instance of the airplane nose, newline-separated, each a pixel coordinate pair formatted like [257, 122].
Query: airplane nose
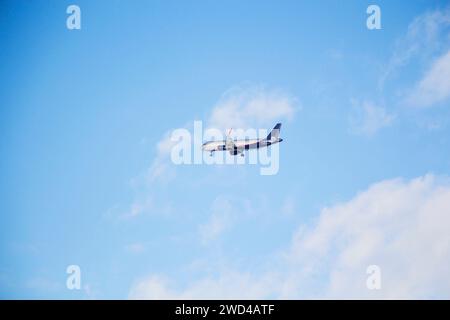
[280, 140]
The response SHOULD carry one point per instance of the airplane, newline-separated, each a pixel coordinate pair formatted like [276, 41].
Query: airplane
[236, 147]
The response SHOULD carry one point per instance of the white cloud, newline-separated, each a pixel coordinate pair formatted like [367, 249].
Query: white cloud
[230, 285]
[161, 171]
[154, 287]
[401, 226]
[44, 284]
[135, 248]
[367, 118]
[288, 207]
[220, 219]
[426, 35]
[435, 85]
[224, 212]
[138, 207]
[252, 107]
[404, 227]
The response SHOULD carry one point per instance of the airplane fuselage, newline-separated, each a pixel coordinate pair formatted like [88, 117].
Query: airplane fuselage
[238, 146]
[247, 144]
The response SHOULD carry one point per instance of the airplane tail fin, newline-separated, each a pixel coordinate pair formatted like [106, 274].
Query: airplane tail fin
[275, 133]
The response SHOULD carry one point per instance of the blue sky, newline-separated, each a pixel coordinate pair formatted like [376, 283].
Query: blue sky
[82, 113]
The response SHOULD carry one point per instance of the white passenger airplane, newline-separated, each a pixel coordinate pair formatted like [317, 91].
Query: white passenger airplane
[238, 146]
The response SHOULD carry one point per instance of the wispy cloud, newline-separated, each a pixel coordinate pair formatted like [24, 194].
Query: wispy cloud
[252, 106]
[367, 118]
[160, 172]
[425, 40]
[426, 35]
[44, 284]
[229, 285]
[136, 247]
[434, 87]
[289, 206]
[220, 219]
[223, 213]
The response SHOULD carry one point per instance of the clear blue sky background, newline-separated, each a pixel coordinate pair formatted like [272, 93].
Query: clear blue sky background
[81, 113]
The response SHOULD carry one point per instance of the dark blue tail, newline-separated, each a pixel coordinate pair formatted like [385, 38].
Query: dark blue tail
[275, 132]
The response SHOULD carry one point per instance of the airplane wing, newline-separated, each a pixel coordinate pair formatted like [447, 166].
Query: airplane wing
[229, 144]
